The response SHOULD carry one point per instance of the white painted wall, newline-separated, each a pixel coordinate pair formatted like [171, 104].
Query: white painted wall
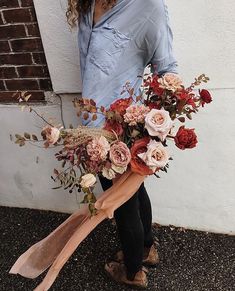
[60, 45]
[204, 41]
[198, 192]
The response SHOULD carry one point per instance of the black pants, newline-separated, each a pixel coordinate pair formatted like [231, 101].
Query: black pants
[134, 223]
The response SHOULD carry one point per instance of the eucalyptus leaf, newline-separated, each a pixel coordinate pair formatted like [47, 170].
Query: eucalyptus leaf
[27, 135]
[34, 137]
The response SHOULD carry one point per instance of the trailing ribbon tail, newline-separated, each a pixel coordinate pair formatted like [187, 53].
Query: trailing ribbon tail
[56, 248]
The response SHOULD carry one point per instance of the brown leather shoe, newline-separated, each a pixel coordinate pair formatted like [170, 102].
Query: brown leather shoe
[151, 257]
[117, 271]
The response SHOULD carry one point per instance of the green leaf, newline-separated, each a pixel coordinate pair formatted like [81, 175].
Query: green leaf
[85, 199]
[189, 116]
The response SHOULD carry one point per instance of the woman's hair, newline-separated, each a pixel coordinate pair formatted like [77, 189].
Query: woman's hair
[76, 8]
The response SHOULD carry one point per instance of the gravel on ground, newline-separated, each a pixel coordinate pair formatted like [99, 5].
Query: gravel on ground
[189, 260]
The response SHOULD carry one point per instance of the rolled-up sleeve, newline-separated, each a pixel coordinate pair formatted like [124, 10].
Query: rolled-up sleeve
[163, 59]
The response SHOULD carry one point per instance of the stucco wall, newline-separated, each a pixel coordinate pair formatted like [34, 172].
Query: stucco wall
[198, 191]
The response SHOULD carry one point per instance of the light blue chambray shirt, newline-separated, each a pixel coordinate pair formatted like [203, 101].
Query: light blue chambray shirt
[130, 36]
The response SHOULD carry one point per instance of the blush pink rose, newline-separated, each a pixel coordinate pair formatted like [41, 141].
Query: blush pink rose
[120, 154]
[158, 123]
[52, 134]
[171, 82]
[98, 149]
[156, 156]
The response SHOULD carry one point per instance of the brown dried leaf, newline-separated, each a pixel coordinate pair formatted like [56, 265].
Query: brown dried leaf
[93, 109]
[102, 109]
[27, 135]
[92, 102]
[85, 116]
[26, 98]
[181, 119]
[94, 117]
[56, 172]
[34, 137]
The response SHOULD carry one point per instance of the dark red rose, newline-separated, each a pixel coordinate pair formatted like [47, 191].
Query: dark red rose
[205, 96]
[155, 86]
[112, 125]
[185, 138]
[137, 164]
[191, 102]
[121, 105]
[154, 105]
[183, 94]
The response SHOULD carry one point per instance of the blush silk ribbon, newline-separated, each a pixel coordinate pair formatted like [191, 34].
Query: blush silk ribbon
[55, 250]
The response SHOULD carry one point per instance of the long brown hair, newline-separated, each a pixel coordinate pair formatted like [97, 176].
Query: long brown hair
[76, 8]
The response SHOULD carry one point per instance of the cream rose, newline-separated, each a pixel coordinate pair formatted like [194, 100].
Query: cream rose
[171, 82]
[108, 173]
[119, 170]
[52, 134]
[158, 123]
[87, 180]
[156, 156]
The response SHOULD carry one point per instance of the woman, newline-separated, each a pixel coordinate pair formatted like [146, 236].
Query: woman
[117, 40]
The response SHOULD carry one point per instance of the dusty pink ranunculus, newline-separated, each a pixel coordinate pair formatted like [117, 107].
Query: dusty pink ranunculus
[98, 149]
[120, 154]
[156, 156]
[52, 134]
[158, 123]
[171, 82]
[135, 114]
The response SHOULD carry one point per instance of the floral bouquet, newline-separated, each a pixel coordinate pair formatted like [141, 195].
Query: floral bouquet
[131, 145]
[135, 133]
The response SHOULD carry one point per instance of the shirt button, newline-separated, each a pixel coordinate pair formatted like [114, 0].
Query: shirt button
[114, 31]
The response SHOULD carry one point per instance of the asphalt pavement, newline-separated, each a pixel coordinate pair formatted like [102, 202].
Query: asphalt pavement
[189, 260]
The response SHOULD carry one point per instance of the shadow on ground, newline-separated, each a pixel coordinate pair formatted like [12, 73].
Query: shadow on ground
[190, 260]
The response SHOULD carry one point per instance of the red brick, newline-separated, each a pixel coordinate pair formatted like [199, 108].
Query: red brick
[16, 59]
[7, 72]
[21, 15]
[2, 87]
[12, 31]
[21, 84]
[33, 30]
[45, 84]
[9, 3]
[27, 3]
[11, 96]
[4, 46]
[39, 58]
[33, 71]
[27, 45]
[33, 15]
[1, 20]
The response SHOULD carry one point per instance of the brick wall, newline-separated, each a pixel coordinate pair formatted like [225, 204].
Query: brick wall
[23, 65]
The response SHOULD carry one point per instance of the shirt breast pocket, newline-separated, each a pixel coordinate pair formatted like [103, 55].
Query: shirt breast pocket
[106, 47]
